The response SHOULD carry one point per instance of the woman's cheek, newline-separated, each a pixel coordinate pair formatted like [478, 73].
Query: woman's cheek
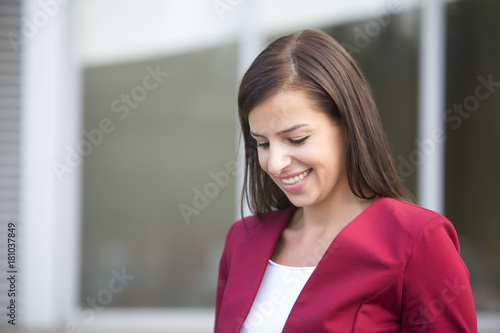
[302, 155]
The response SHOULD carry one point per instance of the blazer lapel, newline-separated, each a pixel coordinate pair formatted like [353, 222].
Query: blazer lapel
[251, 257]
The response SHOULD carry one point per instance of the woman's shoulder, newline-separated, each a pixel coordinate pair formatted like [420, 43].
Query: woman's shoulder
[394, 229]
[405, 211]
[411, 219]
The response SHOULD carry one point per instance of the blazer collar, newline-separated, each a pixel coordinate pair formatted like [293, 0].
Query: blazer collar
[253, 254]
[255, 249]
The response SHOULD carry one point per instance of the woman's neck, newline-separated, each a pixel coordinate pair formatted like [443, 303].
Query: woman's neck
[330, 215]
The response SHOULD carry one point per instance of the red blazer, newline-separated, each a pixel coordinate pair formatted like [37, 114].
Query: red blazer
[394, 268]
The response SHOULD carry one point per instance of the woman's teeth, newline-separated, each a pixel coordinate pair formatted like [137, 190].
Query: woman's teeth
[296, 179]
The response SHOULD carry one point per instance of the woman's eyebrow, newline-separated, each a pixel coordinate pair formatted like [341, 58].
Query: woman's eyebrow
[288, 130]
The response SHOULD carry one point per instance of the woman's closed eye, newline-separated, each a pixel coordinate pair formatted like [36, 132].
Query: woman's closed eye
[299, 141]
[296, 142]
[262, 144]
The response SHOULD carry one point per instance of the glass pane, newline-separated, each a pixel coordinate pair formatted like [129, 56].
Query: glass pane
[156, 205]
[473, 144]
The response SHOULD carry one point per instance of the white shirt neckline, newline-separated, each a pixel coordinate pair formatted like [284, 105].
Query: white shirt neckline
[278, 292]
[292, 267]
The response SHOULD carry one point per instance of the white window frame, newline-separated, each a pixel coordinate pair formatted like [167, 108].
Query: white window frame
[49, 208]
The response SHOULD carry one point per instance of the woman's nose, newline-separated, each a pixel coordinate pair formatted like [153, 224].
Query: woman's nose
[279, 159]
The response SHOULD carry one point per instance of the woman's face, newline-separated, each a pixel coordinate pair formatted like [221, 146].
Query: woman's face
[301, 148]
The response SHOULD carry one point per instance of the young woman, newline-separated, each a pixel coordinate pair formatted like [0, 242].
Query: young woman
[335, 244]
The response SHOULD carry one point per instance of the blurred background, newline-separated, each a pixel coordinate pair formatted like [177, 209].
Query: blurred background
[119, 162]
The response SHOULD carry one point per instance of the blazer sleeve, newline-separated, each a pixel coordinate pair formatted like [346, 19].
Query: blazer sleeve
[223, 274]
[437, 296]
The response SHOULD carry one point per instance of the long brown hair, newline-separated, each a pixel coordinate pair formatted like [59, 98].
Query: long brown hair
[313, 62]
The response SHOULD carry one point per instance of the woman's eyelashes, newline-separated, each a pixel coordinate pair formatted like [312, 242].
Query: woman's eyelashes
[299, 141]
[262, 144]
[292, 141]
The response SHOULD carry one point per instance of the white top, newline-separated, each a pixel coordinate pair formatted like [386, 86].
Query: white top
[277, 294]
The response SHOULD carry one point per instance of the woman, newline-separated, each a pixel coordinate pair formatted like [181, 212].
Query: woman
[334, 244]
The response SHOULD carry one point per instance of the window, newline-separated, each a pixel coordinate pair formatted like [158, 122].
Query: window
[157, 193]
[473, 144]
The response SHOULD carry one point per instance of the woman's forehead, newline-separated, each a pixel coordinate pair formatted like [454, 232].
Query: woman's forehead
[283, 105]
[284, 112]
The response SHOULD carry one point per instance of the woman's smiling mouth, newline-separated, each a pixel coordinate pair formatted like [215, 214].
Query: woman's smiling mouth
[293, 184]
[295, 179]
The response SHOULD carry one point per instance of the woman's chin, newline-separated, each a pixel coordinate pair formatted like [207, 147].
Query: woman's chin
[299, 202]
